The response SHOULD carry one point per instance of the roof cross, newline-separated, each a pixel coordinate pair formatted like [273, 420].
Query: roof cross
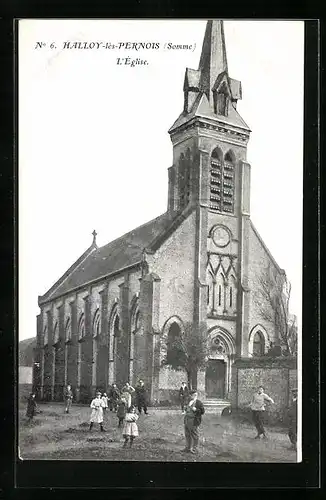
[94, 233]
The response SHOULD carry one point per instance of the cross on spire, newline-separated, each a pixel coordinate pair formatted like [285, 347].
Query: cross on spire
[94, 233]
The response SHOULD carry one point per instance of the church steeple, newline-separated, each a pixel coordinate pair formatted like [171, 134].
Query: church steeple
[209, 91]
[213, 60]
[209, 123]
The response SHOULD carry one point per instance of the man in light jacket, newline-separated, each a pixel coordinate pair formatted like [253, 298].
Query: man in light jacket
[257, 405]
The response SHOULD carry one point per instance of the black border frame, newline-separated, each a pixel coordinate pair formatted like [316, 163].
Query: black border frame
[32, 475]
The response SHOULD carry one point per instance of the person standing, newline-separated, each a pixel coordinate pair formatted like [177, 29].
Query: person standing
[121, 411]
[68, 397]
[257, 405]
[141, 397]
[126, 393]
[130, 430]
[292, 419]
[105, 402]
[183, 396]
[114, 396]
[192, 420]
[31, 407]
[97, 412]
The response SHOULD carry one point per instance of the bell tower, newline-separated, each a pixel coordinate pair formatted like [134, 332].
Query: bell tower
[210, 174]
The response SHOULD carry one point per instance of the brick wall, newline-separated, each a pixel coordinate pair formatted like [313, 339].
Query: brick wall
[277, 376]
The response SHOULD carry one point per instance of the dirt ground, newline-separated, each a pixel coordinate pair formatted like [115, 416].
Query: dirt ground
[56, 435]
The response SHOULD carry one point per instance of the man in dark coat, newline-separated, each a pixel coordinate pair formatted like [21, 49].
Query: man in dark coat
[183, 396]
[114, 396]
[141, 397]
[192, 420]
[31, 407]
[292, 419]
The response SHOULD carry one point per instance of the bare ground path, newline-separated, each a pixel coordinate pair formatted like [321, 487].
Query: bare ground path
[55, 435]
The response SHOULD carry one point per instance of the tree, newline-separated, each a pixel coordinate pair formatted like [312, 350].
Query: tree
[186, 351]
[273, 297]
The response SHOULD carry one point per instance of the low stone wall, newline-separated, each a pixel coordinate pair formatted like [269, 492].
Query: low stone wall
[277, 375]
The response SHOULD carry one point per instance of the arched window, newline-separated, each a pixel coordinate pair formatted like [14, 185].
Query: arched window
[56, 333]
[258, 344]
[231, 294]
[228, 184]
[97, 324]
[68, 330]
[221, 101]
[81, 327]
[185, 178]
[116, 327]
[45, 336]
[222, 182]
[219, 305]
[174, 349]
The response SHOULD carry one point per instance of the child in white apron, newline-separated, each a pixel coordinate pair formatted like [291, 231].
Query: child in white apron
[97, 411]
[130, 429]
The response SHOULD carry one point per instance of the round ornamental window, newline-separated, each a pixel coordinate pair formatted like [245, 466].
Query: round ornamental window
[221, 236]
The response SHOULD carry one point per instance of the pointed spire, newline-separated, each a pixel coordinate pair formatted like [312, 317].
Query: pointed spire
[213, 59]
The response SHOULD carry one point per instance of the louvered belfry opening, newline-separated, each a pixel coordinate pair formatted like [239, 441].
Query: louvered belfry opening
[221, 182]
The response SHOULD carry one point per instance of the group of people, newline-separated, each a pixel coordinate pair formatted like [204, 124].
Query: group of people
[121, 403]
[192, 408]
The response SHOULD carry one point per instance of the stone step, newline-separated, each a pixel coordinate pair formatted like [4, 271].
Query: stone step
[216, 405]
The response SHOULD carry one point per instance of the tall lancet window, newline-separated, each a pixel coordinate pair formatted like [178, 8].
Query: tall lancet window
[222, 104]
[221, 101]
[228, 184]
[222, 182]
[216, 180]
[184, 179]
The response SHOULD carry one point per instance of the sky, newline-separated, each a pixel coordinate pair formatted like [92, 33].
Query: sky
[94, 148]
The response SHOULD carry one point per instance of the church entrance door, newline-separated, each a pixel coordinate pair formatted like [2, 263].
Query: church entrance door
[215, 378]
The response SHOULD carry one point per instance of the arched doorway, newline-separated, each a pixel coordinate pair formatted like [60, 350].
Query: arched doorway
[221, 350]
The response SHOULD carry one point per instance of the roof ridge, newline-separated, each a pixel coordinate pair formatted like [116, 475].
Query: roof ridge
[174, 224]
[132, 230]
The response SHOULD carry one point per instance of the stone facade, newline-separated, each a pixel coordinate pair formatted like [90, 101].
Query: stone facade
[105, 319]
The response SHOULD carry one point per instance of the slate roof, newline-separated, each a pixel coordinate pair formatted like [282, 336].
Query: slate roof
[201, 108]
[118, 254]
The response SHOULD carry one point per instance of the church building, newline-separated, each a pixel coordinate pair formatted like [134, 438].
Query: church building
[105, 320]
